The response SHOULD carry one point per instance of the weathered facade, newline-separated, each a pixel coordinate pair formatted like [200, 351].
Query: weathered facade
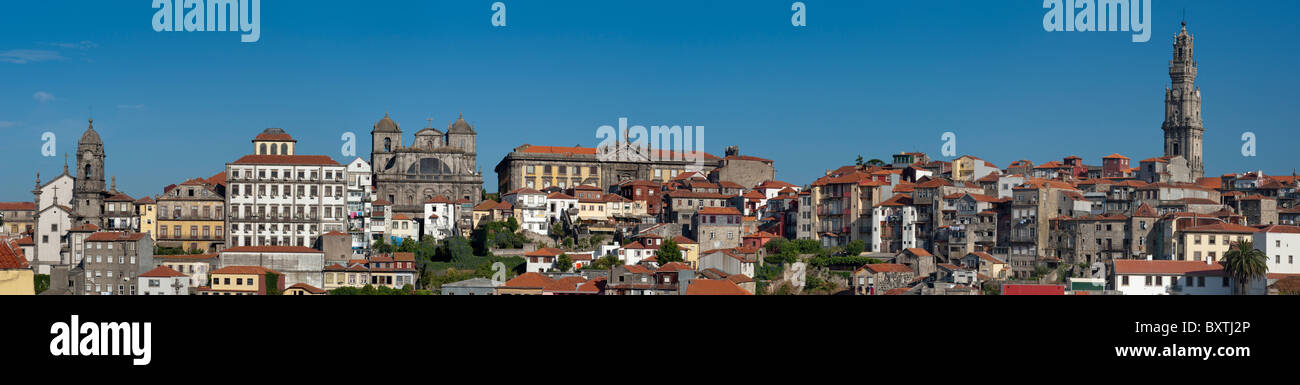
[435, 164]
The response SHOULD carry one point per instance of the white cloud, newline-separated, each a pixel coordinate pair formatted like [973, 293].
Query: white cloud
[81, 45]
[43, 97]
[24, 56]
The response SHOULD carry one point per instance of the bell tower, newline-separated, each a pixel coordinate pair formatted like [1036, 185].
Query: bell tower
[88, 188]
[1183, 127]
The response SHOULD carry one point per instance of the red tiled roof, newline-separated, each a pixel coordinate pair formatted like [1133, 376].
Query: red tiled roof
[545, 252]
[11, 258]
[1220, 227]
[719, 211]
[715, 287]
[919, 252]
[307, 288]
[886, 268]
[529, 280]
[18, 206]
[304, 160]
[110, 236]
[162, 272]
[1280, 229]
[568, 151]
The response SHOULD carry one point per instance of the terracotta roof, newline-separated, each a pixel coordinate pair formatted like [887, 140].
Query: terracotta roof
[439, 199]
[1145, 210]
[307, 288]
[739, 278]
[305, 160]
[886, 268]
[11, 258]
[401, 217]
[1114, 156]
[554, 195]
[529, 280]
[918, 252]
[545, 252]
[278, 137]
[1280, 229]
[1220, 227]
[674, 266]
[110, 236]
[682, 240]
[162, 272]
[715, 287]
[1131, 266]
[719, 211]
[569, 283]
[569, 151]
[18, 206]
[270, 249]
[145, 201]
[381, 202]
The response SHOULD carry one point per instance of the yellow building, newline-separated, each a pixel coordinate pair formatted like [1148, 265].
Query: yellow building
[400, 228]
[241, 280]
[192, 216]
[690, 250]
[1198, 243]
[147, 209]
[16, 275]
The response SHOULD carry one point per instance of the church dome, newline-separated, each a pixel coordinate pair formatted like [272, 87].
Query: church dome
[460, 126]
[386, 125]
[90, 136]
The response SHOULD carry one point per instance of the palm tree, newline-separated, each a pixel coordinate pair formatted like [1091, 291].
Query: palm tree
[1245, 264]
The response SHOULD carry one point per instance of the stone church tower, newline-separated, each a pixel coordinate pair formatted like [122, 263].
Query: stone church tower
[88, 191]
[1182, 126]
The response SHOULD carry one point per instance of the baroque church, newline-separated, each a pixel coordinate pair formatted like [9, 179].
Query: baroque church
[434, 164]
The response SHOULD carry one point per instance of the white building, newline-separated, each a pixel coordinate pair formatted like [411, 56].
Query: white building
[558, 205]
[278, 198]
[541, 260]
[1281, 243]
[163, 280]
[1169, 277]
[729, 262]
[897, 213]
[52, 225]
[359, 188]
[440, 215]
[634, 252]
[532, 209]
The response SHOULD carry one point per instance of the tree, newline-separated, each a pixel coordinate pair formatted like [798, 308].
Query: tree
[859, 161]
[1245, 264]
[512, 224]
[607, 262]
[557, 230]
[41, 282]
[668, 252]
[381, 247]
[564, 263]
[855, 247]
[875, 162]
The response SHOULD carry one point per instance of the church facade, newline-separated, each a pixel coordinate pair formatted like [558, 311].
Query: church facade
[434, 164]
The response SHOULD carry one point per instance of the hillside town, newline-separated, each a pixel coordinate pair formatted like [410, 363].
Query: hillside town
[414, 218]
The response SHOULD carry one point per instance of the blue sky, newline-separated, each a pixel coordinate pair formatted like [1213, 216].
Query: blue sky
[864, 77]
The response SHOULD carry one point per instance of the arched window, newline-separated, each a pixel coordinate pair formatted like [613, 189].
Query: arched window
[273, 149]
[284, 149]
[388, 144]
[263, 151]
[87, 173]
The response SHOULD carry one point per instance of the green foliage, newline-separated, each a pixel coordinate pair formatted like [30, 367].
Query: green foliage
[768, 272]
[855, 247]
[271, 281]
[853, 261]
[668, 252]
[373, 290]
[606, 262]
[512, 224]
[381, 247]
[159, 250]
[496, 235]
[1244, 264]
[564, 263]
[41, 282]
